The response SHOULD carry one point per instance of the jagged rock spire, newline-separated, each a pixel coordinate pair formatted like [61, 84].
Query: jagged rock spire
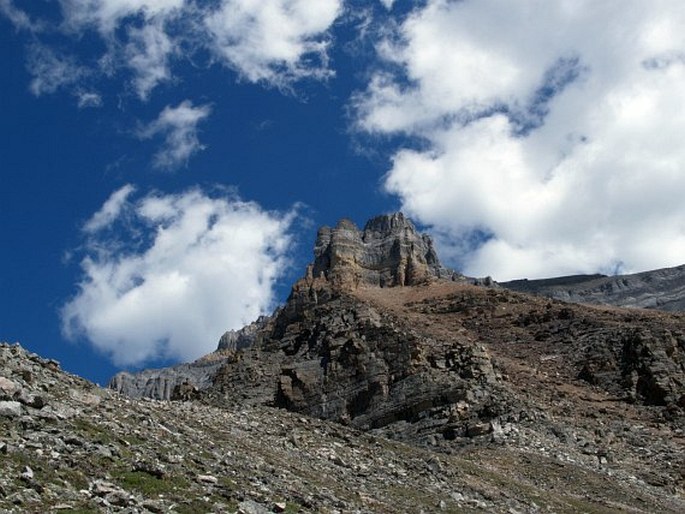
[387, 252]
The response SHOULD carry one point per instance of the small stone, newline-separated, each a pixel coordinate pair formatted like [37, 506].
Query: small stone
[120, 498]
[102, 488]
[27, 474]
[10, 409]
[251, 507]
[207, 479]
[338, 461]
[478, 429]
[154, 470]
[8, 388]
[38, 402]
[153, 506]
[279, 507]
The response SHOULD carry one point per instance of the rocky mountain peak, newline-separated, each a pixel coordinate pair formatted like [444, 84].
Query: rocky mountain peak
[388, 252]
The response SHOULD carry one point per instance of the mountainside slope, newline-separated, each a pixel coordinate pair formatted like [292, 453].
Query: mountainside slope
[375, 338]
[68, 446]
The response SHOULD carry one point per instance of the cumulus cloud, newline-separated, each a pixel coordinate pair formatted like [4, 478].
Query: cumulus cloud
[274, 41]
[165, 275]
[548, 132]
[178, 125]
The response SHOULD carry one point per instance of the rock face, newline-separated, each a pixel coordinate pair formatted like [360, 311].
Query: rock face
[344, 360]
[184, 379]
[245, 337]
[662, 289]
[160, 384]
[387, 252]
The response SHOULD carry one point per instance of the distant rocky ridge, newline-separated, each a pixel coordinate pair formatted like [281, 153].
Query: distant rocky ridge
[164, 383]
[176, 381]
[662, 289]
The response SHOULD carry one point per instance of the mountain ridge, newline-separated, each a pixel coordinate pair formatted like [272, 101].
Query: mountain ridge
[661, 289]
[382, 384]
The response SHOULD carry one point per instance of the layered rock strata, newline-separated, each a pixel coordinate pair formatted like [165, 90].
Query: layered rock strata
[387, 252]
[185, 379]
[662, 289]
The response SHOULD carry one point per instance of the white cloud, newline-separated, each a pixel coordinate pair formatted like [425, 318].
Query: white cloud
[19, 18]
[106, 15]
[273, 41]
[87, 99]
[143, 46]
[551, 132]
[183, 269]
[51, 71]
[110, 210]
[178, 125]
[148, 53]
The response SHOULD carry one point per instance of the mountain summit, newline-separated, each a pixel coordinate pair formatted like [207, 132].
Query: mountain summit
[387, 252]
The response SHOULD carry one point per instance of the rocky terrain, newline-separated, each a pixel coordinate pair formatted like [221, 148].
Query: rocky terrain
[385, 383]
[69, 446]
[662, 289]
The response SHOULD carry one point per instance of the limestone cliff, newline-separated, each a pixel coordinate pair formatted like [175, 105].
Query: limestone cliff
[387, 252]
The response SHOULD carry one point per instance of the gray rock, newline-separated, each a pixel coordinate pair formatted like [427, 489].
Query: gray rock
[662, 289]
[160, 384]
[387, 252]
[8, 388]
[27, 474]
[10, 409]
[252, 507]
[243, 338]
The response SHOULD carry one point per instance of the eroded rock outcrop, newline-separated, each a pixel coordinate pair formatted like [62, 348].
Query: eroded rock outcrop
[182, 380]
[344, 360]
[387, 252]
[160, 384]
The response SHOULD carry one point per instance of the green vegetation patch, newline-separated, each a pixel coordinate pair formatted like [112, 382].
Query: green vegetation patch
[149, 485]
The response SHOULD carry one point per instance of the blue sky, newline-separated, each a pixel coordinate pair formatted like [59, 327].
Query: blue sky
[165, 163]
